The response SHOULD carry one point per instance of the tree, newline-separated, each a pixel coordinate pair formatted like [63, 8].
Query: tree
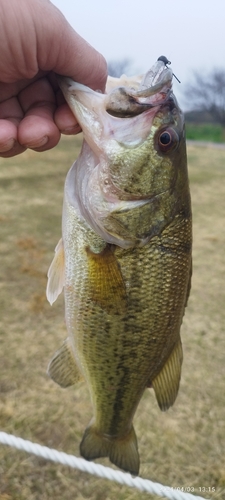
[117, 68]
[207, 94]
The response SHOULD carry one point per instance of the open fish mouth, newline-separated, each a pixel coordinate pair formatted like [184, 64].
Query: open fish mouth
[127, 96]
[153, 89]
[158, 80]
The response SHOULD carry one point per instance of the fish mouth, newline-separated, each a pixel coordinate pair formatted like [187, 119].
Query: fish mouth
[136, 96]
[96, 112]
[157, 80]
[153, 90]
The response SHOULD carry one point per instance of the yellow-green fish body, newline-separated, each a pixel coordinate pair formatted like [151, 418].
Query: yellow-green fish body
[125, 258]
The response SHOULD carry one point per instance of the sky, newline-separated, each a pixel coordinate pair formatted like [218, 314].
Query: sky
[189, 33]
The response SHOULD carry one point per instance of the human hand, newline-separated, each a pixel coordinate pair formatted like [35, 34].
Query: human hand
[36, 42]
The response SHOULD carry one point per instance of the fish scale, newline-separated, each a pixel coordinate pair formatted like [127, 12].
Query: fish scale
[125, 257]
[104, 337]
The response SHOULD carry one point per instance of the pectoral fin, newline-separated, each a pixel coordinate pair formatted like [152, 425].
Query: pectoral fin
[106, 285]
[62, 368]
[166, 384]
[56, 274]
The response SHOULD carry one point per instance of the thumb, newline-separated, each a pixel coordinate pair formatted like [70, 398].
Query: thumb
[64, 51]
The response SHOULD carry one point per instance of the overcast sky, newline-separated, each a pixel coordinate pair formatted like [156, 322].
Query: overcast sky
[189, 33]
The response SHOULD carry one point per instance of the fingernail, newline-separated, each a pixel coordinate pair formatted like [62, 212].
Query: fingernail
[71, 130]
[38, 143]
[7, 145]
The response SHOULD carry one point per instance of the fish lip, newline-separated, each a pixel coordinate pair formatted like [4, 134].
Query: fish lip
[158, 80]
[63, 82]
[159, 77]
[69, 82]
[154, 89]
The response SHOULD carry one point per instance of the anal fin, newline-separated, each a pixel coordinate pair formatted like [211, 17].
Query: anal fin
[62, 368]
[166, 383]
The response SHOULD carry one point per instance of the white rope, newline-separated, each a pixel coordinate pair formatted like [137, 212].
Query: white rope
[96, 469]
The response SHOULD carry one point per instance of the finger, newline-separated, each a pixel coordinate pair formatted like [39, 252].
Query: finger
[10, 116]
[9, 146]
[83, 63]
[12, 89]
[38, 130]
[72, 55]
[65, 120]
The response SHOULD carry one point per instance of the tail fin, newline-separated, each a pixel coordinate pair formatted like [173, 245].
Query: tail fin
[123, 452]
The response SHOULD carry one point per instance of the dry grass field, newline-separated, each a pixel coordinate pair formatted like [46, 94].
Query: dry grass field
[184, 447]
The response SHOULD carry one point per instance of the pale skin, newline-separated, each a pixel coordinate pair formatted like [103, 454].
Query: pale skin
[36, 42]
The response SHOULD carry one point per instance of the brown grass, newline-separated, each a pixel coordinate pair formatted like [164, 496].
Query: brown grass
[184, 447]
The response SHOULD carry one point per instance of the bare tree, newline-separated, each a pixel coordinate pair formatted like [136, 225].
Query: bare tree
[207, 93]
[119, 67]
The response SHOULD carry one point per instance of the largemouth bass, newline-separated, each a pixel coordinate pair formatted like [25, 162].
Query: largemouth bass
[124, 259]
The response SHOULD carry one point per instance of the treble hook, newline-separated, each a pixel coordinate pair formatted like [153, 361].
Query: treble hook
[166, 61]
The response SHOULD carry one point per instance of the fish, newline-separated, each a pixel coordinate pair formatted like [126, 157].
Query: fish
[124, 259]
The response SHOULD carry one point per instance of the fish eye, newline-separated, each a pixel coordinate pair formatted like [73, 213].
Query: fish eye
[167, 140]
